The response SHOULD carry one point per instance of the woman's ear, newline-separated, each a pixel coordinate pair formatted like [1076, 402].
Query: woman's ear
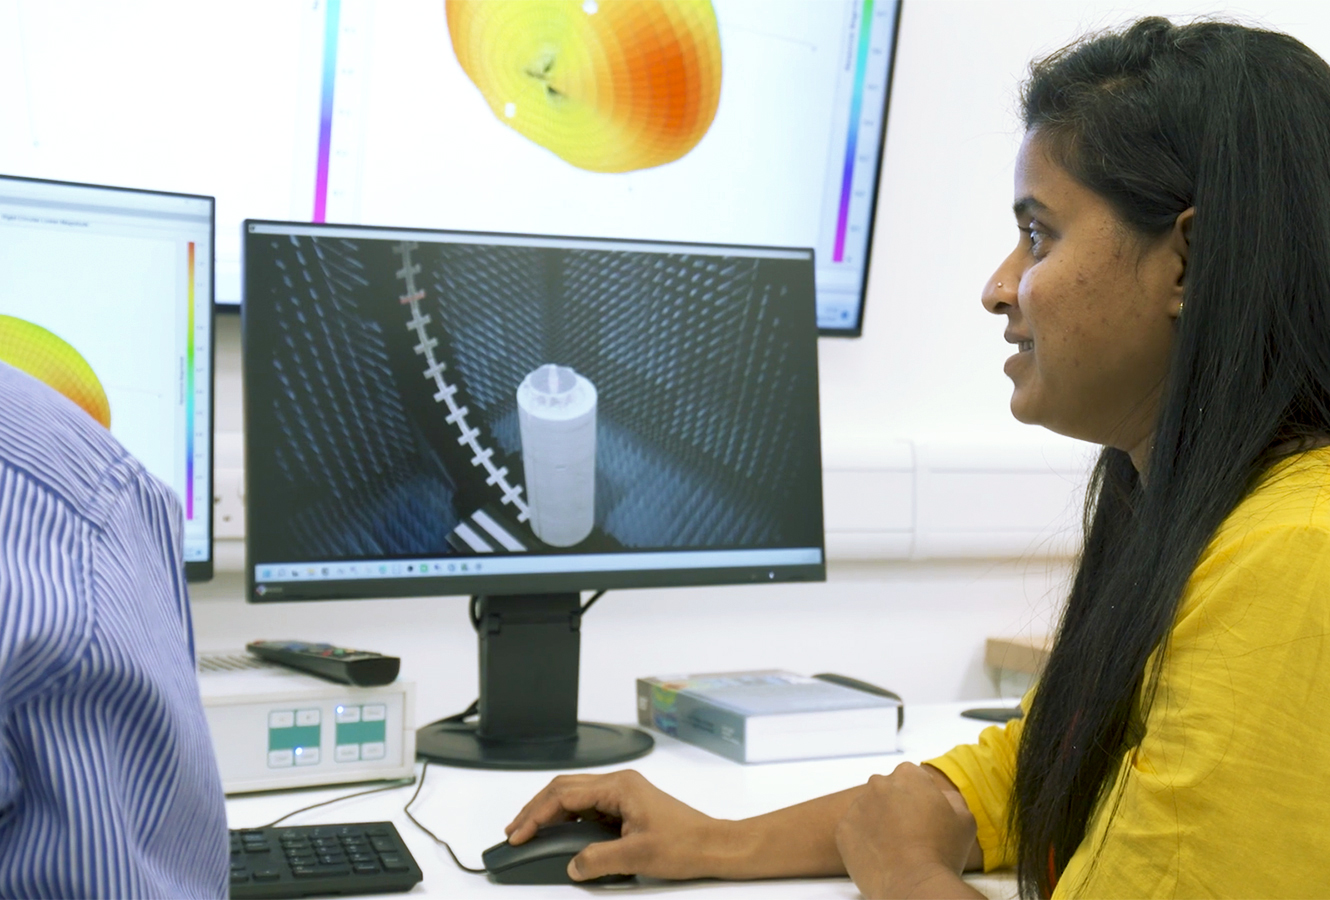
[1179, 242]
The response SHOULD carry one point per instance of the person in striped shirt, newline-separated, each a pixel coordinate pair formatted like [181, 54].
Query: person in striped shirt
[108, 784]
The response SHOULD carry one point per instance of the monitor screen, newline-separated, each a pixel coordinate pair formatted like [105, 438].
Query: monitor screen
[433, 412]
[106, 294]
[755, 122]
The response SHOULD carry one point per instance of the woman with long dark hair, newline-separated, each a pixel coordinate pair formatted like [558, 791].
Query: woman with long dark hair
[1170, 299]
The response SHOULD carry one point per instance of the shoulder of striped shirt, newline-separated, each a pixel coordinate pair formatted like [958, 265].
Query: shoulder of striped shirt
[38, 423]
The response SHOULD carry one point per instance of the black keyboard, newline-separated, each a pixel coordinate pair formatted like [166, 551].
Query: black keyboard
[314, 860]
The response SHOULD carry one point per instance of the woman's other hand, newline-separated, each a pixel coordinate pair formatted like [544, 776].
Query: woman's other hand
[662, 837]
[904, 836]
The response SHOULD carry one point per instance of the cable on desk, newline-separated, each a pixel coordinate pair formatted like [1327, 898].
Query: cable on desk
[407, 809]
[399, 783]
[461, 716]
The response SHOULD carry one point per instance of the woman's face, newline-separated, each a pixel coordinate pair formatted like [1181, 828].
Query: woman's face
[1090, 306]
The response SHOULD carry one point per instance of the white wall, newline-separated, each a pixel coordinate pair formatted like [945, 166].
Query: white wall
[919, 404]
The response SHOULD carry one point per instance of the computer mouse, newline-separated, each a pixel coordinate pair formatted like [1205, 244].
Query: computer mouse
[544, 858]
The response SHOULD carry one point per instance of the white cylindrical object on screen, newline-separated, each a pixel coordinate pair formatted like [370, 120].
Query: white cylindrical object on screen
[556, 411]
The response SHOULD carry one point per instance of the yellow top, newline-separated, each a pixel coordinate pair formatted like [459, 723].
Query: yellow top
[1228, 793]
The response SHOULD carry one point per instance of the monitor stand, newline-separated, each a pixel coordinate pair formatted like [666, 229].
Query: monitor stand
[529, 649]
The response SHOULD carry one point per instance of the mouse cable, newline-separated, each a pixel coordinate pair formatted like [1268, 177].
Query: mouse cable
[395, 785]
[407, 809]
[474, 708]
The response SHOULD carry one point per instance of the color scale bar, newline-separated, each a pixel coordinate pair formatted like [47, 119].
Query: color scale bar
[189, 395]
[331, 17]
[852, 142]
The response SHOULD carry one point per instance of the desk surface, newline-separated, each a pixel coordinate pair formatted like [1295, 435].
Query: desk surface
[468, 807]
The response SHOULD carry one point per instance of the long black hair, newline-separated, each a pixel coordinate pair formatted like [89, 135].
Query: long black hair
[1158, 118]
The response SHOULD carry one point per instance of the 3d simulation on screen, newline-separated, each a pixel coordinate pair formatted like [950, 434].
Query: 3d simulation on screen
[480, 400]
[51, 359]
[556, 410]
[607, 85]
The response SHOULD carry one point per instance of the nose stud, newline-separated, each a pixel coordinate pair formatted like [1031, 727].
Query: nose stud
[999, 284]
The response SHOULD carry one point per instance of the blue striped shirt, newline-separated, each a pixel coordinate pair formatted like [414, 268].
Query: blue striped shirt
[108, 784]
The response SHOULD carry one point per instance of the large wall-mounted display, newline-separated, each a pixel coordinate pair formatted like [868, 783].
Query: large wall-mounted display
[737, 121]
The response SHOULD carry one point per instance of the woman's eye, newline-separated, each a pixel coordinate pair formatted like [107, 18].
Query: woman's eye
[1036, 238]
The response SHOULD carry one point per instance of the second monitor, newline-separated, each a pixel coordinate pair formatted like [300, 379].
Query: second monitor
[525, 417]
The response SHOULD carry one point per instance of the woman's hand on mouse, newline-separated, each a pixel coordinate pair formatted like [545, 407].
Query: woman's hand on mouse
[662, 837]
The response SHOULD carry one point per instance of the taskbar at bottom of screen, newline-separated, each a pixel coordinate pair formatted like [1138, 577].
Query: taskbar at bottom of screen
[520, 574]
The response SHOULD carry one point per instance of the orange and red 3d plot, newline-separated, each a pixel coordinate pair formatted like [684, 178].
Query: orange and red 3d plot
[49, 358]
[607, 85]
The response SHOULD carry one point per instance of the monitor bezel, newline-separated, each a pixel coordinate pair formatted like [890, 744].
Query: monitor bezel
[195, 570]
[521, 583]
[857, 330]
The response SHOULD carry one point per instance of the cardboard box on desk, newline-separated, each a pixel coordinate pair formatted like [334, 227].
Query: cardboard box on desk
[768, 715]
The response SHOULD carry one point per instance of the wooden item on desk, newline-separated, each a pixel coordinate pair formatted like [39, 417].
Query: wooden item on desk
[1022, 655]
[1018, 654]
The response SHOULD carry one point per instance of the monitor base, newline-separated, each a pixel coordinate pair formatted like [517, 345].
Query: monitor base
[596, 744]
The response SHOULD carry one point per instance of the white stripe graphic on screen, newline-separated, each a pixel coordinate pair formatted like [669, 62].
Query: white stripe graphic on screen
[434, 369]
[497, 531]
[473, 540]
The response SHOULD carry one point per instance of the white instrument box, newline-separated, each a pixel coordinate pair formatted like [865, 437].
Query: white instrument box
[274, 728]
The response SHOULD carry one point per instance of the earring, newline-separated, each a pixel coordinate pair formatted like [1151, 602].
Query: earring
[999, 284]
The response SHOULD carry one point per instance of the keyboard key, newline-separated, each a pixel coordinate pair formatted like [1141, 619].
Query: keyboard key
[267, 875]
[305, 871]
[365, 869]
[383, 844]
[301, 860]
[242, 877]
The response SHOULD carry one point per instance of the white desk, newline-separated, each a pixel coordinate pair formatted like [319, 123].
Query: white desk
[469, 807]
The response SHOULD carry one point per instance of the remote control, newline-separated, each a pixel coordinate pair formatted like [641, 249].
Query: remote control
[359, 667]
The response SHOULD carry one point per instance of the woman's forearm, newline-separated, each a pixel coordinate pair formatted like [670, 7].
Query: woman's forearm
[797, 841]
[788, 843]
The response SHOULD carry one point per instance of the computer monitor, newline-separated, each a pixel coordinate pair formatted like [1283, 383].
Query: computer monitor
[735, 121]
[522, 418]
[107, 295]
[357, 108]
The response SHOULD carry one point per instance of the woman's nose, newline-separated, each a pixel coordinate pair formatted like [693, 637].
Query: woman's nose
[1000, 292]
